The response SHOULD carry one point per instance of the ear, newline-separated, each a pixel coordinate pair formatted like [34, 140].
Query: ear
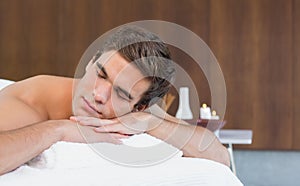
[140, 108]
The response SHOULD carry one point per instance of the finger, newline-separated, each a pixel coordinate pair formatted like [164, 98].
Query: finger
[111, 139]
[95, 122]
[73, 118]
[115, 138]
[116, 141]
[109, 128]
[90, 121]
[81, 118]
[119, 136]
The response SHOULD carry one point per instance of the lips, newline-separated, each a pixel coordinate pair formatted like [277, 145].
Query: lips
[90, 106]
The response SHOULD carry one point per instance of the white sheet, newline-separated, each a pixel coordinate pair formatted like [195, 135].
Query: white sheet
[78, 164]
[4, 83]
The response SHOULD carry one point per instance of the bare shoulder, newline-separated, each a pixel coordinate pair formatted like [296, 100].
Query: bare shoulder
[36, 99]
[33, 87]
[43, 81]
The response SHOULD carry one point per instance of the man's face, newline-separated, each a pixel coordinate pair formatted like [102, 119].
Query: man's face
[110, 87]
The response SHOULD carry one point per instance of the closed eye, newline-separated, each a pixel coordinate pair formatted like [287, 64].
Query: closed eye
[123, 94]
[101, 72]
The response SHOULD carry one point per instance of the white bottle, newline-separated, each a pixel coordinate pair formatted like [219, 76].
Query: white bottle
[184, 110]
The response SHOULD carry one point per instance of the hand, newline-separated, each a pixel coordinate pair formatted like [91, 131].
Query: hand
[86, 134]
[129, 124]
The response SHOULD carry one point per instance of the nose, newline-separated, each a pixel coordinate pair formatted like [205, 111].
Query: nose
[102, 91]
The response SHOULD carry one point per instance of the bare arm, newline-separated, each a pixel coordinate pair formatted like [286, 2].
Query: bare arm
[20, 145]
[25, 128]
[194, 141]
[24, 132]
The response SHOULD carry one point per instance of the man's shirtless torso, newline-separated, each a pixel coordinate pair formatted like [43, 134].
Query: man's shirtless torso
[40, 98]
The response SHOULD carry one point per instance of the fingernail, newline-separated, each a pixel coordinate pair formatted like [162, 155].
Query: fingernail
[99, 129]
[73, 118]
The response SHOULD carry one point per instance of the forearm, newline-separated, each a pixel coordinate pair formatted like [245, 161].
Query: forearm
[160, 113]
[194, 141]
[20, 145]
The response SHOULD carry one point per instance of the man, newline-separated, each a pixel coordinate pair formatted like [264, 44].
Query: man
[129, 74]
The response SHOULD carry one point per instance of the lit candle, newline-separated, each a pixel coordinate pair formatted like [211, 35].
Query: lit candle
[205, 112]
[214, 115]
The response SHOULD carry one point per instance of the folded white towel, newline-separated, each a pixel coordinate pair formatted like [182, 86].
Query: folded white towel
[138, 150]
[78, 164]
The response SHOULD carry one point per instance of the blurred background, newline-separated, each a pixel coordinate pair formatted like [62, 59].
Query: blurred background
[256, 43]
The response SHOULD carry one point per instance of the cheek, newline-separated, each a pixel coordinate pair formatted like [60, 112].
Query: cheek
[120, 107]
[89, 79]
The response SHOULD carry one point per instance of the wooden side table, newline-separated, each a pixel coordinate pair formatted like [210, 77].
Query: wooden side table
[233, 136]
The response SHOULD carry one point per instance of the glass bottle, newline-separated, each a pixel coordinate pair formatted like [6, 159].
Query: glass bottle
[184, 110]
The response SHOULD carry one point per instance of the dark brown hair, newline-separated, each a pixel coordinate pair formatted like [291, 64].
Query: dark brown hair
[150, 55]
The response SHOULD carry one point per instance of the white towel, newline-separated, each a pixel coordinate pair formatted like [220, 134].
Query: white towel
[78, 164]
[138, 150]
[4, 83]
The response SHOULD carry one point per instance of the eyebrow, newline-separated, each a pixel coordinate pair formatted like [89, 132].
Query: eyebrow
[127, 94]
[102, 69]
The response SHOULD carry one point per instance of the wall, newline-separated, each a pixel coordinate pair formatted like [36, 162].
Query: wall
[255, 41]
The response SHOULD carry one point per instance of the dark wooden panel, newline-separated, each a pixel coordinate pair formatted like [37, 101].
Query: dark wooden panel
[76, 31]
[296, 76]
[253, 43]
[11, 32]
[39, 19]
